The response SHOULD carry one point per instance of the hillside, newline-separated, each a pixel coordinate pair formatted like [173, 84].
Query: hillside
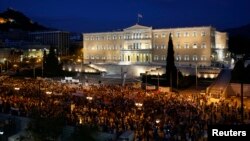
[12, 19]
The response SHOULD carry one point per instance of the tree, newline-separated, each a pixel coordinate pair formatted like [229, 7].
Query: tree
[51, 64]
[171, 71]
[238, 73]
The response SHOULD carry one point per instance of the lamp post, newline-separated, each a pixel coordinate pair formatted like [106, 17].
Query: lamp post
[196, 79]
[146, 82]
[158, 82]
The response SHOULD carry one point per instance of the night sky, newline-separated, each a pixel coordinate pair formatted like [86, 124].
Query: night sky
[108, 15]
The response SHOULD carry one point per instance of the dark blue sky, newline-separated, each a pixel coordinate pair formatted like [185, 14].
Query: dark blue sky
[107, 15]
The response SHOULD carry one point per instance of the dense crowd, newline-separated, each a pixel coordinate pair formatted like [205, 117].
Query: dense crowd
[114, 108]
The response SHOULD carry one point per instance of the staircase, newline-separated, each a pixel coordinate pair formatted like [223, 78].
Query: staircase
[218, 88]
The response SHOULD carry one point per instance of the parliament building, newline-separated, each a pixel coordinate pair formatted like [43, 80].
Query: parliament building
[144, 45]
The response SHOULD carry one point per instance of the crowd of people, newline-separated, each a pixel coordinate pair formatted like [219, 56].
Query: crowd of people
[152, 115]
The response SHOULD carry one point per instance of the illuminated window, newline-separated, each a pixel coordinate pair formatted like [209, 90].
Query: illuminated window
[156, 57]
[203, 45]
[163, 57]
[194, 34]
[178, 46]
[194, 45]
[178, 58]
[195, 58]
[178, 34]
[203, 58]
[186, 45]
[186, 57]
[163, 35]
[203, 33]
[186, 34]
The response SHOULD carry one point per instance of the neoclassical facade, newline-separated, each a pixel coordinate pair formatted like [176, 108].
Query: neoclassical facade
[142, 45]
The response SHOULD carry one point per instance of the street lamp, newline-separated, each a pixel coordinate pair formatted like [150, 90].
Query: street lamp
[196, 77]
[146, 82]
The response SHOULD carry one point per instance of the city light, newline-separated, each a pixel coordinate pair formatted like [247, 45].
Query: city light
[138, 104]
[48, 92]
[17, 88]
[89, 98]
[157, 121]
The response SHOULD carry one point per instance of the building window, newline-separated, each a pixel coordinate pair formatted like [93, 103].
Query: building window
[203, 33]
[114, 37]
[203, 45]
[163, 57]
[162, 46]
[137, 58]
[194, 45]
[178, 46]
[163, 35]
[186, 34]
[195, 58]
[147, 58]
[178, 58]
[194, 34]
[156, 35]
[203, 58]
[178, 34]
[156, 57]
[186, 57]
[186, 45]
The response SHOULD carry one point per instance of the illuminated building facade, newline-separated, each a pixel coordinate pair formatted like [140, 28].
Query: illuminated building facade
[144, 45]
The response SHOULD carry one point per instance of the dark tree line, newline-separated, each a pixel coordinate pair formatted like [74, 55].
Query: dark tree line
[240, 73]
[51, 64]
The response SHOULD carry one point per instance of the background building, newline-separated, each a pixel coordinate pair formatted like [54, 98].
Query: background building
[139, 44]
[57, 39]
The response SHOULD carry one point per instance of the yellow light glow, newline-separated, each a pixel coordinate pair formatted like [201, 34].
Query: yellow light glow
[17, 89]
[211, 76]
[89, 98]
[48, 92]
[205, 75]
